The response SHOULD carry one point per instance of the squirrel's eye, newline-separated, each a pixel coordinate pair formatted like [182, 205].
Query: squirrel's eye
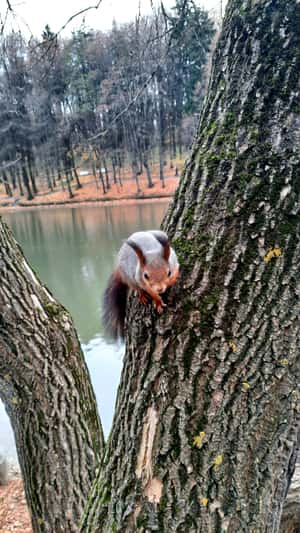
[169, 273]
[146, 276]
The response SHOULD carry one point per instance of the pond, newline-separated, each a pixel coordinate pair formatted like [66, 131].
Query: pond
[73, 251]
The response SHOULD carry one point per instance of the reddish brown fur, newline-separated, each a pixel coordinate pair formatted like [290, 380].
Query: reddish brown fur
[114, 305]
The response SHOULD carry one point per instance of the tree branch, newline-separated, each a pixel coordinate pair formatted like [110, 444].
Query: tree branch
[126, 108]
[9, 7]
[171, 32]
[10, 164]
[77, 14]
[81, 12]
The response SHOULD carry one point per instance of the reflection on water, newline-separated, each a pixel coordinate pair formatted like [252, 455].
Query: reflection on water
[73, 252]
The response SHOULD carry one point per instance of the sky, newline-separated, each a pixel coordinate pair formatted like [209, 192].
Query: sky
[35, 14]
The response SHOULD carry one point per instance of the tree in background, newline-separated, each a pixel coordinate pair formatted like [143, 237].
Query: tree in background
[16, 128]
[101, 95]
[191, 35]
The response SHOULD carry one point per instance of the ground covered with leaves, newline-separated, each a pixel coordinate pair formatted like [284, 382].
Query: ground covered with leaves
[14, 515]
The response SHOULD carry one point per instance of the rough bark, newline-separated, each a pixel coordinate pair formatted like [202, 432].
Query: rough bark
[290, 521]
[206, 426]
[45, 386]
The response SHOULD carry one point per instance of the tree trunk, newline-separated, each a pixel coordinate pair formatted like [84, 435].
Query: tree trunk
[78, 184]
[148, 172]
[62, 184]
[161, 128]
[173, 151]
[120, 165]
[290, 521]
[101, 177]
[135, 175]
[58, 163]
[106, 174]
[45, 386]
[26, 180]
[68, 174]
[48, 177]
[207, 416]
[53, 176]
[30, 161]
[6, 184]
[98, 165]
[95, 173]
[19, 181]
[113, 162]
[13, 179]
[59, 173]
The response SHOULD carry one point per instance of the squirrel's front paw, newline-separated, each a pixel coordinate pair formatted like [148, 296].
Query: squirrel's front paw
[160, 307]
[143, 297]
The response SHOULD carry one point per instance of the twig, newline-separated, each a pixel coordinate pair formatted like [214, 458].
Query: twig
[3, 21]
[9, 5]
[146, 83]
[77, 15]
[10, 9]
[126, 108]
[10, 164]
[55, 35]
[53, 38]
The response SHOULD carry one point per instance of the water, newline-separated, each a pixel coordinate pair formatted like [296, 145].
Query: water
[73, 252]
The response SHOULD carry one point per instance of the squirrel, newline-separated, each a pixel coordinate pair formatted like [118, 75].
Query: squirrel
[147, 264]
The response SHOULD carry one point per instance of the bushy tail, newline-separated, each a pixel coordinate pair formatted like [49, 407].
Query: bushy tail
[114, 306]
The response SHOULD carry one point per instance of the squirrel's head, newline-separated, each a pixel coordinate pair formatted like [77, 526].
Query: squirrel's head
[154, 269]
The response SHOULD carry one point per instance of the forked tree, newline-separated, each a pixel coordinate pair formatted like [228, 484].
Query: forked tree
[205, 431]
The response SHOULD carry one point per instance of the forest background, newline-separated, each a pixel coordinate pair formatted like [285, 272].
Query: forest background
[128, 98]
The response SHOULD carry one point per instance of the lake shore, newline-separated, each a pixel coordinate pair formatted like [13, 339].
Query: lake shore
[90, 194]
[87, 203]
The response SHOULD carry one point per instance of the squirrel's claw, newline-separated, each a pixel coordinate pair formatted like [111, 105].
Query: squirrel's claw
[160, 306]
[143, 297]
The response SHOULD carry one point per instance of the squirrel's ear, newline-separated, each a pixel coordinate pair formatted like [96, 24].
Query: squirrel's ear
[164, 241]
[137, 250]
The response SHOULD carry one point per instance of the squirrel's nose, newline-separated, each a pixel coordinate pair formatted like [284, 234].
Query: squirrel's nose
[161, 290]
